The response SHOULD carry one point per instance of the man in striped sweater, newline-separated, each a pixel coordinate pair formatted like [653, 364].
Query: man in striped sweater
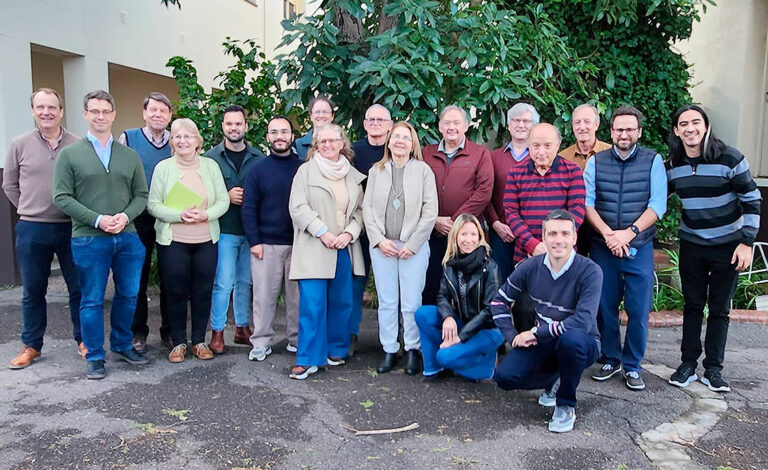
[721, 216]
[533, 189]
[563, 290]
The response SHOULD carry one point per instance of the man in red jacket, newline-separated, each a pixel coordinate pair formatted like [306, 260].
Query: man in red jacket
[464, 178]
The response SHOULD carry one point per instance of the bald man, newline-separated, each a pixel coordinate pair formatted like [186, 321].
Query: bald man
[545, 183]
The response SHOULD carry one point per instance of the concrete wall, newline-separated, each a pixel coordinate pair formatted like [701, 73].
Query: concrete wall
[727, 52]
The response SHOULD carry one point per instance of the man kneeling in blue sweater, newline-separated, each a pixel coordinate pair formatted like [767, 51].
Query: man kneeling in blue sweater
[564, 290]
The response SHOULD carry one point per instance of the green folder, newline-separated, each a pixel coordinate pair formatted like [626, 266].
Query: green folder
[181, 197]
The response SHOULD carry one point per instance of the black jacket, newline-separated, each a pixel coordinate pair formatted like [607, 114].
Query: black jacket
[475, 312]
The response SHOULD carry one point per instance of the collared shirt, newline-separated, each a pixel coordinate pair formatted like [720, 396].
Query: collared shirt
[573, 154]
[104, 153]
[58, 141]
[518, 158]
[565, 267]
[449, 156]
[658, 199]
[150, 137]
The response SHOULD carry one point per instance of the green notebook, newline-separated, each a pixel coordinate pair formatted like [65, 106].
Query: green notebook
[181, 197]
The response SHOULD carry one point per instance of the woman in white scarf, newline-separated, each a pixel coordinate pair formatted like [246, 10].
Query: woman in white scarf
[325, 205]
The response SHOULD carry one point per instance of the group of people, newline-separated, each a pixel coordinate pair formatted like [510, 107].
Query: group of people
[473, 253]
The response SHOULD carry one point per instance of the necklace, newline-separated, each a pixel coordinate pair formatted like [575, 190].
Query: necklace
[396, 203]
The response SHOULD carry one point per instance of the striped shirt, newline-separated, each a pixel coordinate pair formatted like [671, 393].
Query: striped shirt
[721, 202]
[530, 196]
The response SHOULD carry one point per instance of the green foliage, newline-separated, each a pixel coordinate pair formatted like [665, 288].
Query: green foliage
[250, 82]
[667, 227]
[667, 295]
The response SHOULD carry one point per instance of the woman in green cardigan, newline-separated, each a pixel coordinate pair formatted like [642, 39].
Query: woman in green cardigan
[187, 197]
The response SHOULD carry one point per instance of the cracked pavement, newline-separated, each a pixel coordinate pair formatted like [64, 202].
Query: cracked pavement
[233, 413]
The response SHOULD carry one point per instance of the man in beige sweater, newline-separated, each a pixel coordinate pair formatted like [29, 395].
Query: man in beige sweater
[42, 229]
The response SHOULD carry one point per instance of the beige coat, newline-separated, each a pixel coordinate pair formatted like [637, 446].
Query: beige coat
[420, 203]
[312, 205]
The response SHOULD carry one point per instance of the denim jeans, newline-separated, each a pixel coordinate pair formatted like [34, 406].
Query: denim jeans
[473, 359]
[233, 270]
[324, 309]
[399, 283]
[502, 252]
[36, 242]
[94, 257]
[359, 283]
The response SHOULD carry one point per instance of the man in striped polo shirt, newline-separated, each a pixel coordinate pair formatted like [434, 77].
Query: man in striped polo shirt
[721, 216]
[533, 189]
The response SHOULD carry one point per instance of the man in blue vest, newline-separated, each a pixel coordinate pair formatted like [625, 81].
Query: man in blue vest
[626, 194]
[235, 157]
[151, 143]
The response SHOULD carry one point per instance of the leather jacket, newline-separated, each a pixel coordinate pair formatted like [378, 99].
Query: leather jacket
[473, 312]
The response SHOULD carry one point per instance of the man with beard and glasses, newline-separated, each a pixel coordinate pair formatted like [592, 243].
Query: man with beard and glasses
[235, 157]
[269, 229]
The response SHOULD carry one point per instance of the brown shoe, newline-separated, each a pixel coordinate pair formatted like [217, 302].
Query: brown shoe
[217, 342]
[178, 353]
[243, 335]
[24, 358]
[82, 349]
[202, 351]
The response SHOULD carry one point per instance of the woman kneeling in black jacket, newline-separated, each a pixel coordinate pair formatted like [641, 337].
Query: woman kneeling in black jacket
[459, 333]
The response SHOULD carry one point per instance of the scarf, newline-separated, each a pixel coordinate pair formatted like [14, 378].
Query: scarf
[331, 170]
[468, 263]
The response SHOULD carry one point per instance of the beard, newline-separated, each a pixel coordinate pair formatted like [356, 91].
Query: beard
[235, 140]
[273, 147]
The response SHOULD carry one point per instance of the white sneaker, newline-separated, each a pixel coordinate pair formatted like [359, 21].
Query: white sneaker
[259, 354]
[291, 348]
[562, 419]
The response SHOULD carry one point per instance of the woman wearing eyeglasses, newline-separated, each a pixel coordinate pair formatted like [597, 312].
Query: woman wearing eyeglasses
[325, 206]
[400, 210]
[187, 197]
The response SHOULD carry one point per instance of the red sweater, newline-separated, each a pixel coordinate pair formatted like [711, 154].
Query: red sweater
[529, 197]
[466, 184]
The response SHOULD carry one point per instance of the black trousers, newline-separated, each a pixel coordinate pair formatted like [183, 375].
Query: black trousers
[145, 228]
[188, 270]
[437, 246]
[708, 277]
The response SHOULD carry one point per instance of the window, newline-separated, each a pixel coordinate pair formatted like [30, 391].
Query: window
[289, 10]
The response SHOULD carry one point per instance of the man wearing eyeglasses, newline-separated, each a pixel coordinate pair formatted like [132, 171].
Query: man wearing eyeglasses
[626, 194]
[369, 150]
[520, 120]
[269, 229]
[320, 113]
[235, 157]
[101, 185]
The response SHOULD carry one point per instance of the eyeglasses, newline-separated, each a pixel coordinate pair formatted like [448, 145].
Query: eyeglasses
[274, 132]
[628, 130]
[377, 120]
[320, 143]
[100, 112]
[527, 122]
[321, 112]
[178, 137]
[404, 138]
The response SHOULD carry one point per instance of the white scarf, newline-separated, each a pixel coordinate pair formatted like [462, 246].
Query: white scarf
[331, 170]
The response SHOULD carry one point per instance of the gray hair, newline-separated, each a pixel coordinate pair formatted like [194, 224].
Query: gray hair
[453, 107]
[587, 106]
[522, 108]
[378, 106]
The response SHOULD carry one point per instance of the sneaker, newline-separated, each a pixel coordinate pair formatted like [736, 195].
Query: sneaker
[139, 343]
[714, 381]
[562, 419]
[96, 370]
[683, 376]
[132, 356]
[291, 348]
[606, 372]
[301, 372]
[549, 398]
[336, 361]
[259, 354]
[634, 380]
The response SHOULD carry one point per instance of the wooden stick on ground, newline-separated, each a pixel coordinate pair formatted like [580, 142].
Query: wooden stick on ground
[410, 427]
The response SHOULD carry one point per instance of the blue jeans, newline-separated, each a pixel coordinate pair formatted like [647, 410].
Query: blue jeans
[539, 366]
[473, 359]
[36, 242]
[630, 279]
[324, 309]
[233, 270]
[359, 283]
[94, 257]
[502, 253]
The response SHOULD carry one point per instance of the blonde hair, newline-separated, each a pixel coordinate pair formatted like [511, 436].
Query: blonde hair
[415, 150]
[188, 124]
[346, 150]
[453, 246]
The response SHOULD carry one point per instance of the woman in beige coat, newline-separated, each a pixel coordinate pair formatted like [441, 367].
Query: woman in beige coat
[325, 206]
[400, 210]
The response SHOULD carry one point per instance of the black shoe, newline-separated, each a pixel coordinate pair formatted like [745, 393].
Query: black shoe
[413, 366]
[683, 376]
[139, 343]
[166, 340]
[96, 370]
[132, 356]
[443, 374]
[714, 381]
[388, 363]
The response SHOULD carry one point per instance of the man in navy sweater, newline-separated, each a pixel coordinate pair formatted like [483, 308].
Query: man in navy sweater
[564, 292]
[269, 230]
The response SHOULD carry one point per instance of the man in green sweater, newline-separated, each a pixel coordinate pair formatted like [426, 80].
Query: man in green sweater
[101, 185]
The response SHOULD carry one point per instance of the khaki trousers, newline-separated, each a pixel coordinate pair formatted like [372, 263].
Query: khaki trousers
[269, 275]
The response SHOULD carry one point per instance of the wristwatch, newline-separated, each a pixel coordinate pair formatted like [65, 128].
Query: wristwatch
[634, 229]
[535, 331]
